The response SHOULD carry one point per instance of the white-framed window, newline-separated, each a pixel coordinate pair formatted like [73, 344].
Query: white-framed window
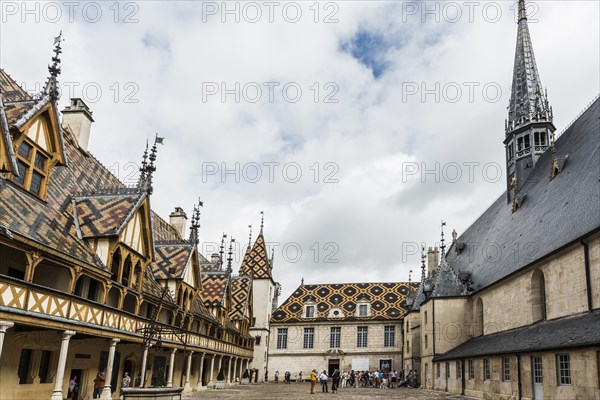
[563, 369]
[282, 336]
[362, 310]
[335, 337]
[506, 369]
[486, 369]
[362, 336]
[389, 336]
[363, 307]
[309, 338]
[310, 311]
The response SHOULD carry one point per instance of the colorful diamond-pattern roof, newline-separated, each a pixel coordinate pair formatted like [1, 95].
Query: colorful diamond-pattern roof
[387, 301]
[171, 260]
[256, 263]
[241, 287]
[99, 216]
[214, 287]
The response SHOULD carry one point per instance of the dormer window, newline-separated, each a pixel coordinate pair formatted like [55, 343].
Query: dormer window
[336, 312]
[32, 163]
[309, 309]
[363, 307]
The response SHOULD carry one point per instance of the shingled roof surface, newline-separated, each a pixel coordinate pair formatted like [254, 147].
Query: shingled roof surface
[214, 287]
[576, 331]
[256, 263]
[104, 215]
[555, 212]
[171, 259]
[387, 301]
[240, 296]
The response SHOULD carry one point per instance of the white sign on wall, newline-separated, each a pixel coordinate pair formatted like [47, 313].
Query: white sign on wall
[360, 364]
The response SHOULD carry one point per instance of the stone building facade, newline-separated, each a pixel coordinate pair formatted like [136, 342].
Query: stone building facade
[512, 310]
[339, 326]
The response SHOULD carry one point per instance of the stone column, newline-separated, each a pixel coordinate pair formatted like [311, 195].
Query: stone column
[220, 364]
[212, 370]
[228, 379]
[62, 362]
[106, 391]
[144, 362]
[186, 385]
[199, 386]
[234, 369]
[171, 366]
[4, 325]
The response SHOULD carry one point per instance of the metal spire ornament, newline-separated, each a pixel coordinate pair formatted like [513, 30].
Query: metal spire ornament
[250, 236]
[230, 258]
[222, 249]
[51, 88]
[148, 168]
[262, 221]
[442, 240]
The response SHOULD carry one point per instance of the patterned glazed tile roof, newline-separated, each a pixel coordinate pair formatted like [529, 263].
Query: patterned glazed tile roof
[198, 308]
[256, 263]
[171, 260]
[241, 289]
[387, 301]
[104, 215]
[214, 288]
[163, 231]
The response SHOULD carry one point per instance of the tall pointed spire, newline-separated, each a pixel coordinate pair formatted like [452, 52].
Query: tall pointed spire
[195, 226]
[229, 257]
[222, 249]
[423, 275]
[262, 221]
[529, 123]
[51, 87]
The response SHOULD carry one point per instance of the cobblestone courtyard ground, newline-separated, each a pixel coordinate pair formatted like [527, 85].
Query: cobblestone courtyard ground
[296, 391]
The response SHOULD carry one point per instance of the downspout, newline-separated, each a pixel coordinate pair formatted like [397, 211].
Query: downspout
[433, 339]
[519, 384]
[588, 279]
[462, 390]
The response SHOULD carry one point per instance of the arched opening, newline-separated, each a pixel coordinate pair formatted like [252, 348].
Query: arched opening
[113, 298]
[147, 310]
[14, 262]
[115, 264]
[88, 288]
[130, 303]
[52, 276]
[126, 271]
[538, 296]
[478, 318]
[129, 368]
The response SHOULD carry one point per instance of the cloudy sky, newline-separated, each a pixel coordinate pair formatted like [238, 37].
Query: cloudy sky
[355, 126]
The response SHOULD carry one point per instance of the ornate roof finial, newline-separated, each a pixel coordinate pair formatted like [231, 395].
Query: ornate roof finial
[148, 168]
[222, 249]
[229, 258]
[195, 223]
[423, 275]
[250, 236]
[410, 276]
[262, 220]
[302, 282]
[272, 256]
[442, 240]
[51, 88]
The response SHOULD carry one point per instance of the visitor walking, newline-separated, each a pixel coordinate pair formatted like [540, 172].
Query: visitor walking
[313, 381]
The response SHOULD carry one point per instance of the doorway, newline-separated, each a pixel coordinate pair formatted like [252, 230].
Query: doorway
[333, 365]
[537, 378]
[75, 389]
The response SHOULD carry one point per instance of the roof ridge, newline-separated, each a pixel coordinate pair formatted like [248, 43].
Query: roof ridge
[583, 111]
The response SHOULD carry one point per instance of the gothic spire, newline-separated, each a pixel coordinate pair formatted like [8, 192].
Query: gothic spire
[51, 88]
[222, 249]
[195, 226]
[262, 221]
[230, 258]
[250, 236]
[528, 101]
[423, 275]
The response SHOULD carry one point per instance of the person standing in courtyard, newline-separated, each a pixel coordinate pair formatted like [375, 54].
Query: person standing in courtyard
[125, 381]
[323, 377]
[335, 381]
[98, 385]
[313, 381]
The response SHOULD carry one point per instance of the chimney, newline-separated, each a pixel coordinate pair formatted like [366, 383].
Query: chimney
[79, 118]
[177, 220]
[215, 258]
[433, 260]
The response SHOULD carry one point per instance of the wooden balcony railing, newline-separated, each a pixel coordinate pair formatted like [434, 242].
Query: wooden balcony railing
[34, 298]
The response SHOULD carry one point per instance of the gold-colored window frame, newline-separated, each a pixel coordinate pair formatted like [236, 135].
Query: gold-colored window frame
[31, 167]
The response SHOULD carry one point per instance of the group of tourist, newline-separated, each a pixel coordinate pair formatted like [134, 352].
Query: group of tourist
[364, 379]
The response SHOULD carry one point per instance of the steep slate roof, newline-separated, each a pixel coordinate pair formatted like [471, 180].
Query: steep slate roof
[105, 215]
[575, 331]
[171, 259]
[446, 282]
[214, 287]
[256, 263]
[240, 296]
[387, 301]
[555, 212]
